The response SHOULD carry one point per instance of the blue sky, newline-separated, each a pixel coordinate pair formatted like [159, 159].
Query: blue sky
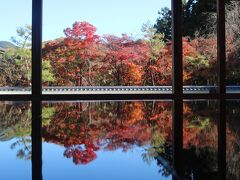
[109, 16]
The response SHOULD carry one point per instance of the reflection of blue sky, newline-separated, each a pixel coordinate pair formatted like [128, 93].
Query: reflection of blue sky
[109, 165]
[109, 16]
[11, 167]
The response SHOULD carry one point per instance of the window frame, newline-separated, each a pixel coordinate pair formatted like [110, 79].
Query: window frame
[177, 95]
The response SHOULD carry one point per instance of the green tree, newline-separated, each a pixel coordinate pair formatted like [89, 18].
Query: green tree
[199, 68]
[47, 74]
[195, 18]
[164, 22]
[24, 37]
[156, 45]
[15, 66]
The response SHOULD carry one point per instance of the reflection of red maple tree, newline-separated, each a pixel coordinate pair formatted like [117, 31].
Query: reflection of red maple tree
[80, 154]
[84, 128]
[122, 127]
[195, 132]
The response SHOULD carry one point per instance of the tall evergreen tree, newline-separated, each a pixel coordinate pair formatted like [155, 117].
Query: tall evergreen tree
[163, 24]
[195, 18]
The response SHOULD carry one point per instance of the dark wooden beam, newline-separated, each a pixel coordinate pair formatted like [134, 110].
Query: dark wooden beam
[177, 48]
[36, 140]
[221, 62]
[36, 89]
[36, 48]
[221, 47]
[177, 76]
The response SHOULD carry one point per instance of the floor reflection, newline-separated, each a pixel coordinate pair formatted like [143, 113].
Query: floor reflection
[233, 139]
[200, 140]
[104, 137]
[15, 140]
[16, 124]
[90, 127]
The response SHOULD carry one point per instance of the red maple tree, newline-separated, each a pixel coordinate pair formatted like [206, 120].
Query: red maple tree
[73, 57]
